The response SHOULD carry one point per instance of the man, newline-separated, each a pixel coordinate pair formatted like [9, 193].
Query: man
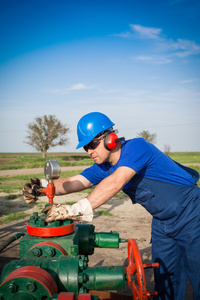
[165, 188]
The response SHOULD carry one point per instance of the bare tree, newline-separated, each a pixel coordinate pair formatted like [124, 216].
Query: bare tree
[45, 133]
[151, 138]
[167, 149]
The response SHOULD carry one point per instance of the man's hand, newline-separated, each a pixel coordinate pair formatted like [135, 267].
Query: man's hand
[31, 190]
[81, 211]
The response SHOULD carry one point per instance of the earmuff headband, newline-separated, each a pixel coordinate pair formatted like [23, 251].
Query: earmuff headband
[111, 140]
[120, 139]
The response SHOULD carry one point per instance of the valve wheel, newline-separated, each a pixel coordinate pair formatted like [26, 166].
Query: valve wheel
[135, 272]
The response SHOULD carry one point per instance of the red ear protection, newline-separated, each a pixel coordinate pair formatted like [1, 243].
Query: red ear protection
[111, 140]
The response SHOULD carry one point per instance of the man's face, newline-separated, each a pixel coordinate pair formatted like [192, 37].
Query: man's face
[99, 154]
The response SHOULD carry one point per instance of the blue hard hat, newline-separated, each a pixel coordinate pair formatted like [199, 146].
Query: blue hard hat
[90, 125]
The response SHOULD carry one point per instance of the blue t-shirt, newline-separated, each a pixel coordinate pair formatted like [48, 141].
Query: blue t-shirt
[146, 160]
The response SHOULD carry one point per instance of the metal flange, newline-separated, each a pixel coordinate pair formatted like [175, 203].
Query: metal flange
[50, 231]
[30, 279]
[48, 249]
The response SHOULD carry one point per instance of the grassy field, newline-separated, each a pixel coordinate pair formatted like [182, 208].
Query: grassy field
[13, 161]
[186, 157]
[12, 186]
[9, 161]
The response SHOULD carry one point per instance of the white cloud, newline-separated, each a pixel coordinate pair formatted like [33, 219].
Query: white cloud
[55, 91]
[169, 49]
[188, 80]
[80, 86]
[180, 48]
[146, 32]
[75, 87]
[126, 34]
[186, 48]
[141, 31]
[156, 59]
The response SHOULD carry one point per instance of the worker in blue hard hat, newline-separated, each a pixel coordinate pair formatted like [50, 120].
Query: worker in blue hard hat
[165, 188]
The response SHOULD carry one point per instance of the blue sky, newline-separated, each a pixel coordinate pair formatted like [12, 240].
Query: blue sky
[136, 61]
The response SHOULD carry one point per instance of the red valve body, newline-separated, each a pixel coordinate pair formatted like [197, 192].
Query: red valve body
[50, 192]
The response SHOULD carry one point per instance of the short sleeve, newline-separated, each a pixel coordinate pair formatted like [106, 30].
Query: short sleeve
[137, 154]
[95, 173]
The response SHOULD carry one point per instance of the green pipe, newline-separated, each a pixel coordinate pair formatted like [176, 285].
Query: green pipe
[10, 240]
[104, 278]
[106, 239]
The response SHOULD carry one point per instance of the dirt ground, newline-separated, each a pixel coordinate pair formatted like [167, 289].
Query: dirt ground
[131, 221]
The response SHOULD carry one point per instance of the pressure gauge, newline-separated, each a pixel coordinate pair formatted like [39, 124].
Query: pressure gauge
[52, 169]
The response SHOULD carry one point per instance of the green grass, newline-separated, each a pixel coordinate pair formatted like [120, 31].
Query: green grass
[103, 213]
[13, 161]
[34, 160]
[15, 184]
[185, 157]
[70, 202]
[13, 217]
[197, 168]
[12, 197]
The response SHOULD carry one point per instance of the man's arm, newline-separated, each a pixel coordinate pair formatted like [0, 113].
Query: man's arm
[110, 186]
[31, 189]
[72, 184]
[83, 209]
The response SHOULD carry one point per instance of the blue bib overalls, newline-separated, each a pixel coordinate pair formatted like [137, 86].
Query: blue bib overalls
[175, 232]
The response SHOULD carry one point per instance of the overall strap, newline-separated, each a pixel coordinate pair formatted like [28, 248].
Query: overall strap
[192, 172]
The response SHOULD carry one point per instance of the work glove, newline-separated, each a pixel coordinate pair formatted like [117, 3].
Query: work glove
[81, 211]
[31, 190]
